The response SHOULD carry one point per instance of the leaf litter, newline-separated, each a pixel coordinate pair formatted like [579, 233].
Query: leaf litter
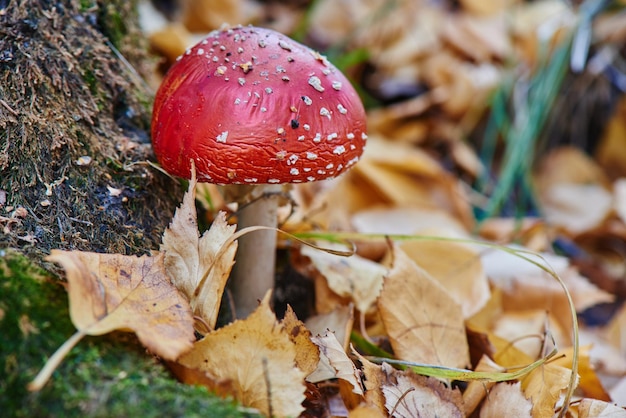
[441, 310]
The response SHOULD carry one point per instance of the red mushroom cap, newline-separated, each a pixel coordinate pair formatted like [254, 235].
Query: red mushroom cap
[251, 105]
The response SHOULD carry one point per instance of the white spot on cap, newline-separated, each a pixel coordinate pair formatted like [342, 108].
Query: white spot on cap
[222, 48]
[240, 50]
[316, 83]
[273, 181]
[294, 171]
[237, 100]
[284, 45]
[280, 131]
[352, 161]
[262, 43]
[306, 169]
[340, 149]
[321, 172]
[352, 147]
[342, 109]
[241, 81]
[187, 51]
[280, 155]
[306, 127]
[221, 70]
[200, 51]
[311, 156]
[268, 90]
[350, 135]
[307, 100]
[329, 166]
[222, 137]
[326, 71]
[204, 42]
[363, 136]
[215, 58]
[280, 69]
[301, 138]
[263, 109]
[332, 136]
[251, 180]
[337, 85]
[325, 112]
[318, 137]
[310, 178]
[292, 159]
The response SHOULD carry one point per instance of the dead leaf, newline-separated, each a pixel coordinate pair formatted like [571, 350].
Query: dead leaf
[258, 356]
[410, 395]
[199, 266]
[334, 355]
[110, 292]
[477, 390]
[593, 408]
[354, 277]
[506, 399]
[307, 354]
[544, 387]
[424, 323]
[457, 267]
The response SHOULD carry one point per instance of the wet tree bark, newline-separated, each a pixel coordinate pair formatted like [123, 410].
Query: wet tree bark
[74, 123]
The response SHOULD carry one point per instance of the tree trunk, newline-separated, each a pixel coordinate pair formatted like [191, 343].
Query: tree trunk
[74, 117]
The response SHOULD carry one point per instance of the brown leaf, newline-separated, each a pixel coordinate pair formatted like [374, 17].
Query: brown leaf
[424, 323]
[114, 292]
[457, 267]
[199, 266]
[410, 395]
[506, 400]
[307, 353]
[593, 408]
[258, 357]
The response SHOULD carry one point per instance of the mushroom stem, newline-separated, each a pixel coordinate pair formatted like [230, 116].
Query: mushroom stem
[253, 273]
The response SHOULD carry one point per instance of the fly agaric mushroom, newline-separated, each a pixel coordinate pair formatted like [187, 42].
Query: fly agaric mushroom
[252, 106]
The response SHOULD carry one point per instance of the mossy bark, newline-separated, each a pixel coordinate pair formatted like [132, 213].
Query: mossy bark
[74, 117]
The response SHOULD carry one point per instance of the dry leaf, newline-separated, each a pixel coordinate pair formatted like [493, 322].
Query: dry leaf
[307, 354]
[457, 267]
[335, 356]
[506, 400]
[410, 395]
[544, 387]
[110, 292]
[199, 266]
[589, 382]
[477, 390]
[424, 323]
[593, 408]
[258, 357]
[354, 277]
[338, 321]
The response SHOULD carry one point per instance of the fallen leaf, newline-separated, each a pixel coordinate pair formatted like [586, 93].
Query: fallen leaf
[338, 321]
[506, 399]
[110, 292]
[199, 266]
[457, 267]
[424, 323]
[258, 357]
[307, 354]
[588, 382]
[544, 387]
[333, 354]
[410, 395]
[593, 408]
[354, 277]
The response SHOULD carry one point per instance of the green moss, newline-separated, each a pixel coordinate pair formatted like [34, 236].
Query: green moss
[108, 376]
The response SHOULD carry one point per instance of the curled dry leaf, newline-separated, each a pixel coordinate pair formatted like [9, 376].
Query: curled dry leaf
[199, 266]
[333, 357]
[589, 408]
[424, 323]
[110, 292]
[410, 395]
[258, 356]
[544, 387]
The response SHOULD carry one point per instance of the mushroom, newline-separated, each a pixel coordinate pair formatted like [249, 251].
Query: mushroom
[253, 107]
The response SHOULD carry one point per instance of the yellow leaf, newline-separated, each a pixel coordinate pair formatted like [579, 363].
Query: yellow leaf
[424, 323]
[544, 387]
[114, 292]
[258, 357]
[199, 266]
[307, 354]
